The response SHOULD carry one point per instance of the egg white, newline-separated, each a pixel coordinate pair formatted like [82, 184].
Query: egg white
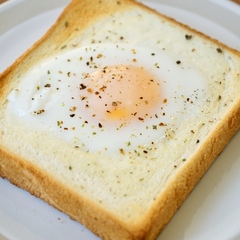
[48, 97]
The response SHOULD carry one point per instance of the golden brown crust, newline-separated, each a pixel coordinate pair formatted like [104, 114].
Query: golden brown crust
[43, 185]
[76, 17]
[185, 180]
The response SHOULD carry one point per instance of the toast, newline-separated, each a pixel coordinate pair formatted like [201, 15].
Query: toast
[121, 195]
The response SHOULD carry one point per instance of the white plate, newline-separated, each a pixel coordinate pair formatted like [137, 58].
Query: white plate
[212, 211]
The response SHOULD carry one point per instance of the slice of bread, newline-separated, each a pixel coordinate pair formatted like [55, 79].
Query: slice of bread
[130, 195]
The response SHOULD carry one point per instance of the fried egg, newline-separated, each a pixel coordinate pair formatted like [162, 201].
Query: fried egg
[109, 97]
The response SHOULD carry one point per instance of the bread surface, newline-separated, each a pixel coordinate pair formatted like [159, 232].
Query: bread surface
[119, 196]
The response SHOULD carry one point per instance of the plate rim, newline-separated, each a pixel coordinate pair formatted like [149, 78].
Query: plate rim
[15, 3]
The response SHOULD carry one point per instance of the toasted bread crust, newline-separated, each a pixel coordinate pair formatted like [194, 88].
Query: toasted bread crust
[185, 180]
[42, 184]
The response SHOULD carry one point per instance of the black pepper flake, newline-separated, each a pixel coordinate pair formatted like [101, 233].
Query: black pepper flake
[197, 141]
[219, 50]
[103, 88]
[72, 115]
[39, 111]
[82, 86]
[145, 151]
[188, 37]
[219, 97]
[47, 85]
[99, 125]
[178, 62]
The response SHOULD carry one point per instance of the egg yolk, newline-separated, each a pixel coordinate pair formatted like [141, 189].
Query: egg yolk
[120, 92]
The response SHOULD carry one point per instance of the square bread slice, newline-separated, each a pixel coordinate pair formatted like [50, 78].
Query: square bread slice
[128, 195]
